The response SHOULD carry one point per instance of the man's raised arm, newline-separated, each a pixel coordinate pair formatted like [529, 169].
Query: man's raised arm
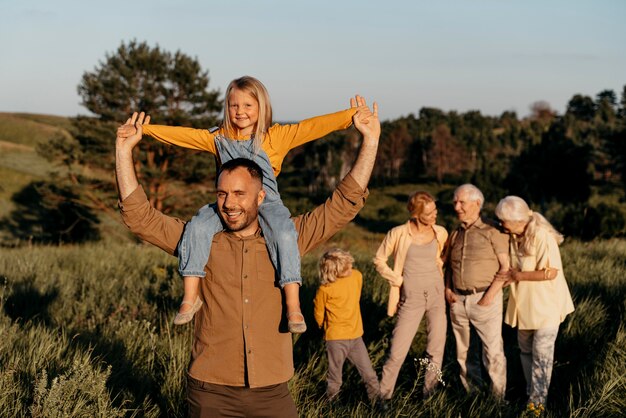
[367, 123]
[124, 166]
[138, 215]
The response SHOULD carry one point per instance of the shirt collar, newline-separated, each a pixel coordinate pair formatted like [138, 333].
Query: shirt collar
[478, 223]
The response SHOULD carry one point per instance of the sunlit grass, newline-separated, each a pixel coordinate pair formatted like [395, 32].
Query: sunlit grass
[87, 328]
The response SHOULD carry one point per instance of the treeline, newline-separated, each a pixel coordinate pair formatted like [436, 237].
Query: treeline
[573, 165]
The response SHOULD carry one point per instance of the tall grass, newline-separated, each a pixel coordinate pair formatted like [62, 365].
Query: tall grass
[107, 308]
[86, 332]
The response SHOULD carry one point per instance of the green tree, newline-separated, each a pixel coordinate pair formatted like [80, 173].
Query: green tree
[606, 103]
[394, 151]
[173, 89]
[555, 169]
[581, 108]
[622, 108]
[617, 141]
[445, 156]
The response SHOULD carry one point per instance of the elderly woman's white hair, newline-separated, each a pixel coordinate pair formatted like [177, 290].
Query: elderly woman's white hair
[515, 209]
[473, 193]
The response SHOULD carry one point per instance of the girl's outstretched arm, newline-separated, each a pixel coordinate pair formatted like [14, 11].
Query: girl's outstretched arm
[287, 137]
[197, 139]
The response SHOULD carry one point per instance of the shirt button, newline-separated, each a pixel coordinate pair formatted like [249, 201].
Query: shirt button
[249, 351]
[245, 276]
[245, 251]
[245, 300]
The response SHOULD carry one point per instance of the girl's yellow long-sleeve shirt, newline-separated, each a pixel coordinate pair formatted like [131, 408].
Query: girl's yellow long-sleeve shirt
[278, 141]
[337, 310]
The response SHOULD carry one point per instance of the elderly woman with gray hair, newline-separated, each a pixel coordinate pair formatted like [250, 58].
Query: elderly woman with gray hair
[539, 299]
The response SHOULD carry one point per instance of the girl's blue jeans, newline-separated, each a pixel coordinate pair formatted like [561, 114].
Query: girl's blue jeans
[280, 234]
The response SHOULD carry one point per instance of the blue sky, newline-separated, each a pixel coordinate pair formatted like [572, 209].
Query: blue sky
[489, 55]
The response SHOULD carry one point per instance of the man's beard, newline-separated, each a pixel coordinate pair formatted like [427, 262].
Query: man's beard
[242, 221]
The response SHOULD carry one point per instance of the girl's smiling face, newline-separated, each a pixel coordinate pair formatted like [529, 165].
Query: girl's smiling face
[243, 111]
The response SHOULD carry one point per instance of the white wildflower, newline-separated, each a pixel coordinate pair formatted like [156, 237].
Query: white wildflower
[428, 365]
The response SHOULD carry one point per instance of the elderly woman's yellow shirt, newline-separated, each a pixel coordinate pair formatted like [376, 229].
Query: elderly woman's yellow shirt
[538, 304]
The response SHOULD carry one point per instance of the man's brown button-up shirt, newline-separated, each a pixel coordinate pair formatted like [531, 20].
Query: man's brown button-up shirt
[240, 338]
[472, 256]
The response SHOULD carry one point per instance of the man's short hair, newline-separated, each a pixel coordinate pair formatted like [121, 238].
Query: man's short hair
[253, 168]
[473, 193]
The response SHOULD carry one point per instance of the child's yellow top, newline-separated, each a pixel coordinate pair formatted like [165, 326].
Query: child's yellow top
[278, 141]
[337, 310]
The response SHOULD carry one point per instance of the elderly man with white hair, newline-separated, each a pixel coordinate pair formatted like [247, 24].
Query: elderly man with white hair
[476, 252]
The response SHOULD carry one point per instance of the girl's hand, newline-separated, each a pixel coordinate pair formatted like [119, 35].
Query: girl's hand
[358, 102]
[365, 120]
[132, 131]
[124, 131]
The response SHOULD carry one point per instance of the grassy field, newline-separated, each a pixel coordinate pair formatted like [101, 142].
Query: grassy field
[86, 331]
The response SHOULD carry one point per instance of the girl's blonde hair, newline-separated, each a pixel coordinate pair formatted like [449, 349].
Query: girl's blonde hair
[257, 90]
[417, 201]
[333, 264]
[515, 209]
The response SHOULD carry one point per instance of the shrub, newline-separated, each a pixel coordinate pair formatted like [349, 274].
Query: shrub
[79, 392]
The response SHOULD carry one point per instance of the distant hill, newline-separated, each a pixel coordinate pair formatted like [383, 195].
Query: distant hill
[29, 129]
[19, 161]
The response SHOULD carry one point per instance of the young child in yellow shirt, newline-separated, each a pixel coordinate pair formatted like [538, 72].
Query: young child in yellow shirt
[337, 311]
